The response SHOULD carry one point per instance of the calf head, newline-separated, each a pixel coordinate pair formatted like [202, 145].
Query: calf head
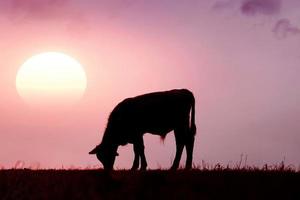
[106, 155]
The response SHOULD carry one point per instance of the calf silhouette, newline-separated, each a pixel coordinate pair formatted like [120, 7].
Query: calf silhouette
[157, 113]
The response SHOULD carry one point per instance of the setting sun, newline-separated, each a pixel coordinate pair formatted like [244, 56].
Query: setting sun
[51, 77]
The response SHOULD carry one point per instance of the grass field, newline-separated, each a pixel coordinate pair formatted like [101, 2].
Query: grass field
[218, 183]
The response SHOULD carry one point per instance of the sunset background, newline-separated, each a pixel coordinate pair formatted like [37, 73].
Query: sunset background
[241, 59]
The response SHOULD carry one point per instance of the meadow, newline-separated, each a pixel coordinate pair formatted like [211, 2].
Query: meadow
[205, 183]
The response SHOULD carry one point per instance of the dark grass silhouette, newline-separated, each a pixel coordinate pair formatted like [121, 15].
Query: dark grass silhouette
[216, 183]
[157, 113]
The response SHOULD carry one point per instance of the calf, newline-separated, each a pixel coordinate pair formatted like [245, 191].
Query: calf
[157, 113]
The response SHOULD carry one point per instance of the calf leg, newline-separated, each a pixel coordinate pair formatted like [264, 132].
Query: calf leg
[143, 157]
[179, 133]
[138, 148]
[136, 163]
[189, 151]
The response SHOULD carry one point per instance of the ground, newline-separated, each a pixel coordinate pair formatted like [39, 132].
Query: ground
[153, 184]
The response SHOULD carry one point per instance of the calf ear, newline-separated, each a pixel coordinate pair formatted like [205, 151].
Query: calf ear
[94, 151]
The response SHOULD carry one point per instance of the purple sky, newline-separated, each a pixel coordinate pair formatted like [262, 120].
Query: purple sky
[241, 58]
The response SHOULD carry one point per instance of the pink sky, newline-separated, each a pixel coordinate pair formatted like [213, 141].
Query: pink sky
[240, 58]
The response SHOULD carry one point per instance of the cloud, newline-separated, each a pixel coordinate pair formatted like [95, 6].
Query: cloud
[283, 28]
[38, 9]
[58, 12]
[223, 5]
[266, 7]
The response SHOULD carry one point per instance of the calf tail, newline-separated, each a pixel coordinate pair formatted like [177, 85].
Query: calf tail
[193, 125]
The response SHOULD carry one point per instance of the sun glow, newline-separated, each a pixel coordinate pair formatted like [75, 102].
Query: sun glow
[51, 77]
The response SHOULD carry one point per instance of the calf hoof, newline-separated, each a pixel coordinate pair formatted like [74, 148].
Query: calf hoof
[133, 168]
[173, 168]
[188, 165]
